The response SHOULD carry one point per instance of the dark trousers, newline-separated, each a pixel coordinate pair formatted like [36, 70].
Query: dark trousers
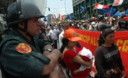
[55, 44]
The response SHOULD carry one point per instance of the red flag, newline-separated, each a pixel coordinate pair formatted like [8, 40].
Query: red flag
[125, 18]
[100, 6]
[61, 18]
[117, 2]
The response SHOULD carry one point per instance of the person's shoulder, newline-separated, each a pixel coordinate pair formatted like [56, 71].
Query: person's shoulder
[10, 39]
[114, 46]
[15, 45]
[99, 49]
[67, 52]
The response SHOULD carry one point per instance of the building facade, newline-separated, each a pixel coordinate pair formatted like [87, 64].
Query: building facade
[4, 4]
[89, 8]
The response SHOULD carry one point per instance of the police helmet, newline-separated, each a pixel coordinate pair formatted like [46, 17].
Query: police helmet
[25, 9]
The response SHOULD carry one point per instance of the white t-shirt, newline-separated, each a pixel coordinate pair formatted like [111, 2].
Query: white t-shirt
[53, 34]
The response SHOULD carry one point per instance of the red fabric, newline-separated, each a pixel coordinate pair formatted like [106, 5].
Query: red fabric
[89, 40]
[68, 60]
[85, 58]
[117, 2]
[125, 18]
[100, 6]
[61, 18]
[105, 6]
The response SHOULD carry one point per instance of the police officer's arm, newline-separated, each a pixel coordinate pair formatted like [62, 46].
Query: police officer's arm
[17, 62]
[54, 57]
[48, 47]
[53, 68]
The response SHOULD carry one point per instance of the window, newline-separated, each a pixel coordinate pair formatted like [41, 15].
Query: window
[93, 1]
[100, 0]
[88, 3]
[110, 1]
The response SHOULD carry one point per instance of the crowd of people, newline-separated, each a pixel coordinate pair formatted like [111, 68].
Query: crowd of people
[33, 49]
[54, 32]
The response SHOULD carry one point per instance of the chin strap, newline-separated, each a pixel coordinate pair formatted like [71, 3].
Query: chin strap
[25, 29]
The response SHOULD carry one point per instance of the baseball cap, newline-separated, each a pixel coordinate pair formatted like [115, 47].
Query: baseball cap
[71, 35]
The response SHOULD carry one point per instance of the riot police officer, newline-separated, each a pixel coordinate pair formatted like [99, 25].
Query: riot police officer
[22, 55]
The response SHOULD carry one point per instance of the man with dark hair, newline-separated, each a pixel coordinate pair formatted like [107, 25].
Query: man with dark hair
[102, 23]
[22, 55]
[122, 25]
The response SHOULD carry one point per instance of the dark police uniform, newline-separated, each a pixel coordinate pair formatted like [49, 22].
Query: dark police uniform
[20, 58]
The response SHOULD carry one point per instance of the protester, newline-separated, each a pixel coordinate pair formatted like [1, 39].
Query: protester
[94, 26]
[86, 54]
[70, 55]
[122, 26]
[102, 23]
[53, 36]
[22, 55]
[107, 57]
[65, 25]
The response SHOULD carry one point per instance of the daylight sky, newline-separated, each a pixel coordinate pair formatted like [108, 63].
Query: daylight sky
[59, 6]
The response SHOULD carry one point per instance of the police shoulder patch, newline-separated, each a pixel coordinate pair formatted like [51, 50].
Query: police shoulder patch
[23, 48]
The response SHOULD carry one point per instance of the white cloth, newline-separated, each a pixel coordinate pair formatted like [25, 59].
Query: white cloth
[57, 31]
[59, 45]
[85, 52]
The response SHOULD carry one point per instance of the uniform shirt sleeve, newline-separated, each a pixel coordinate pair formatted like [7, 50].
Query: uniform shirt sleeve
[18, 64]
[43, 43]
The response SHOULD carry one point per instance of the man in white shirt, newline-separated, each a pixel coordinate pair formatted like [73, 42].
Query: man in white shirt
[53, 35]
[65, 26]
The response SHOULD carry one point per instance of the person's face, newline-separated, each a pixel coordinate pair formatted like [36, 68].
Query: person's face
[66, 26]
[72, 44]
[109, 38]
[72, 24]
[34, 26]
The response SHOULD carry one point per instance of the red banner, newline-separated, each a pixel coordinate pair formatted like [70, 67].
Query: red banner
[89, 40]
